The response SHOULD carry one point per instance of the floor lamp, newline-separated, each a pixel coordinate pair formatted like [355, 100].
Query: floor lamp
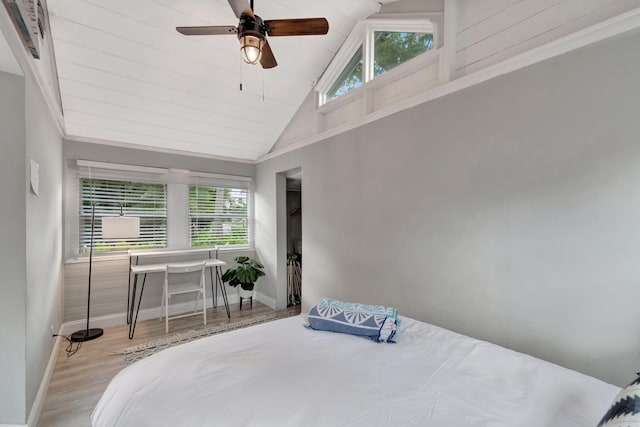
[120, 227]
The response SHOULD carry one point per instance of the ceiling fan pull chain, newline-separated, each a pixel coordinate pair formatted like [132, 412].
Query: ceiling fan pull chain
[241, 61]
[262, 74]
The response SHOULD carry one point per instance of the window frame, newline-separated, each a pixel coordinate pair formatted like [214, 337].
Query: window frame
[84, 215]
[342, 73]
[219, 181]
[177, 184]
[363, 34]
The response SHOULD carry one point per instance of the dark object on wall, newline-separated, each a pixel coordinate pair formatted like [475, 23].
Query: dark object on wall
[24, 14]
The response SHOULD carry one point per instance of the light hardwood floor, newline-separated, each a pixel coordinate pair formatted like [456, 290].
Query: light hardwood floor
[79, 381]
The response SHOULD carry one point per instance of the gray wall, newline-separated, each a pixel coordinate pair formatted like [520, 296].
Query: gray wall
[43, 238]
[30, 245]
[110, 276]
[508, 211]
[12, 250]
[112, 154]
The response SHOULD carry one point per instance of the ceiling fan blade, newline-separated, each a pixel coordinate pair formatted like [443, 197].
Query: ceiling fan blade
[267, 60]
[240, 6]
[297, 27]
[207, 31]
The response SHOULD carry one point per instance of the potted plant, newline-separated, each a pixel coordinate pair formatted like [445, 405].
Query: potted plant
[245, 274]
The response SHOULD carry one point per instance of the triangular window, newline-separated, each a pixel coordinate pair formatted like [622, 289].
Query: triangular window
[374, 47]
[350, 78]
[392, 48]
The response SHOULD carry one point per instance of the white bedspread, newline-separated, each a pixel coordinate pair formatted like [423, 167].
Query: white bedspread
[281, 374]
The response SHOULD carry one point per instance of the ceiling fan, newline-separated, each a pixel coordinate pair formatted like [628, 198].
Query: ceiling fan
[252, 32]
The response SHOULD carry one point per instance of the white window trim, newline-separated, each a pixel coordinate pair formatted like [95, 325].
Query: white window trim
[183, 178]
[363, 35]
[213, 180]
[128, 169]
[413, 65]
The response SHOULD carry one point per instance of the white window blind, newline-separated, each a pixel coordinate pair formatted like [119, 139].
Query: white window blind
[219, 215]
[146, 200]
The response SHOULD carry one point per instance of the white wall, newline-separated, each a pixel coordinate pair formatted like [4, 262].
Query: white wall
[12, 250]
[491, 31]
[410, 6]
[43, 237]
[31, 244]
[479, 34]
[507, 211]
[111, 154]
[8, 62]
[31, 240]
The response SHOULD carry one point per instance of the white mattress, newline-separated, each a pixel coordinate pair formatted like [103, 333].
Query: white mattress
[281, 374]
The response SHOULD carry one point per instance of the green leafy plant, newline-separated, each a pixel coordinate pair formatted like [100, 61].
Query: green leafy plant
[245, 274]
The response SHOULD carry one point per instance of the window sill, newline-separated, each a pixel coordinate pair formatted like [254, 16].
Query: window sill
[122, 256]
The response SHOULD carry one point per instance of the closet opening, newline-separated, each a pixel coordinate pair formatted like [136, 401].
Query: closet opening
[294, 238]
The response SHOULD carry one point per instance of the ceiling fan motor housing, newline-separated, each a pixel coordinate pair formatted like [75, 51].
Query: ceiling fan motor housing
[251, 26]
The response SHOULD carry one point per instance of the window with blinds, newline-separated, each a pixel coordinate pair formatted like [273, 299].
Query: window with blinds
[218, 216]
[145, 200]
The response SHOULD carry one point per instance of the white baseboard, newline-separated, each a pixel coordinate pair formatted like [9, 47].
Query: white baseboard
[268, 301]
[13, 425]
[38, 403]
[145, 314]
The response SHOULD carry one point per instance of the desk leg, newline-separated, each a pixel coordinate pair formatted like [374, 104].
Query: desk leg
[223, 291]
[214, 294]
[129, 299]
[129, 295]
[132, 325]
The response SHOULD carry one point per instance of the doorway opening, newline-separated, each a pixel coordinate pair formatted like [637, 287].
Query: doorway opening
[294, 237]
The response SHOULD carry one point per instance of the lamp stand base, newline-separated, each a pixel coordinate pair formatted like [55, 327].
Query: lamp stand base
[86, 335]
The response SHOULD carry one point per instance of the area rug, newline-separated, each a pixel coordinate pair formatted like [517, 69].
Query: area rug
[140, 351]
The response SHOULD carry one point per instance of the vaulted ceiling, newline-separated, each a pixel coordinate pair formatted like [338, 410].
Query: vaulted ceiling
[127, 76]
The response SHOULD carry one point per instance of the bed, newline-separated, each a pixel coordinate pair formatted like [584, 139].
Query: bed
[282, 374]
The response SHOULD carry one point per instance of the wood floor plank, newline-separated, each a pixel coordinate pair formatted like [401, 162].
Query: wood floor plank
[78, 381]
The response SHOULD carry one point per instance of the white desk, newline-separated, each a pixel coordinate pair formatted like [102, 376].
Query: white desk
[136, 269]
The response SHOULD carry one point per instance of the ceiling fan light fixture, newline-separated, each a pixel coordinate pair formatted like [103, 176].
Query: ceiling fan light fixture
[251, 48]
[252, 32]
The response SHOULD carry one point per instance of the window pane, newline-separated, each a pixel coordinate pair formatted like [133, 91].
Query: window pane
[218, 216]
[393, 48]
[350, 78]
[145, 200]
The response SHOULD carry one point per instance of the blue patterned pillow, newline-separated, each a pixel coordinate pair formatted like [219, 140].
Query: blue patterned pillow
[328, 316]
[625, 409]
[361, 308]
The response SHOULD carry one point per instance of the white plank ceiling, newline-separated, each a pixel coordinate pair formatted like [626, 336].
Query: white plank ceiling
[126, 75]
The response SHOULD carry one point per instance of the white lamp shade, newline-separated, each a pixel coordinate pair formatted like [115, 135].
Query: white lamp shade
[120, 227]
